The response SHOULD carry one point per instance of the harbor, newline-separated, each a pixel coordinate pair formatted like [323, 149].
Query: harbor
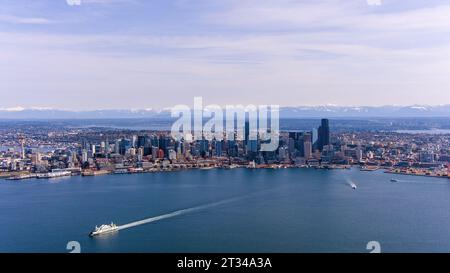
[284, 205]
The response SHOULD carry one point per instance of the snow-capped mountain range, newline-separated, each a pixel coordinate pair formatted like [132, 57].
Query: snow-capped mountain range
[285, 112]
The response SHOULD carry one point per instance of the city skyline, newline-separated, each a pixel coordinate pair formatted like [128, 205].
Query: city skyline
[132, 54]
[103, 150]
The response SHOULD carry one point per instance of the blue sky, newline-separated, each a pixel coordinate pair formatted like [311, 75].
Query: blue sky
[158, 53]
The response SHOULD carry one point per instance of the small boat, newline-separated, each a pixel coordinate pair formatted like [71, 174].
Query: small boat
[103, 229]
[352, 184]
[394, 180]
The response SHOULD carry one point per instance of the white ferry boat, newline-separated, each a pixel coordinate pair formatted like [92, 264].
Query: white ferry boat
[104, 229]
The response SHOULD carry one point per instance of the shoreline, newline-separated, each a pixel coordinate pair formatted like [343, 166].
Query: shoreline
[128, 171]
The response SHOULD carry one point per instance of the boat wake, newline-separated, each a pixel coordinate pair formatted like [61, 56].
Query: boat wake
[178, 213]
[351, 184]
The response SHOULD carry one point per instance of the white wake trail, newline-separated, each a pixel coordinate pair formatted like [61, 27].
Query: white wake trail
[177, 213]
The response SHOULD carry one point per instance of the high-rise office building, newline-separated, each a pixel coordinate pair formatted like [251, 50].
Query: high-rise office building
[247, 131]
[323, 134]
[163, 143]
[141, 141]
[117, 147]
[253, 146]
[218, 148]
[84, 156]
[282, 153]
[291, 146]
[124, 145]
[307, 145]
[232, 148]
[359, 153]
[155, 152]
[140, 153]
[155, 141]
[134, 141]
[102, 147]
[107, 151]
[93, 150]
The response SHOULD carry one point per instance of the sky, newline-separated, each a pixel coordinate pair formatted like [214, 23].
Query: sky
[142, 54]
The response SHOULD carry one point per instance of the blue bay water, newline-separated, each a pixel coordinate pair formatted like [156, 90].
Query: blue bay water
[287, 210]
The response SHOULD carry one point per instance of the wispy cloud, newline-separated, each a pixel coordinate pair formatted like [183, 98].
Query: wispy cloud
[103, 2]
[24, 20]
[330, 13]
[343, 52]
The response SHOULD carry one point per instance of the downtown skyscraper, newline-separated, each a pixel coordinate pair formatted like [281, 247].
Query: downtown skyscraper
[323, 134]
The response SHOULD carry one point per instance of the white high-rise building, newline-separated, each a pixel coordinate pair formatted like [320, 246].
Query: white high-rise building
[93, 149]
[84, 156]
[140, 154]
[102, 147]
[359, 153]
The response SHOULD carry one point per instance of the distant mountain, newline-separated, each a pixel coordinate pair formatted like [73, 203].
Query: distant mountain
[285, 112]
[366, 111]
[33, 113]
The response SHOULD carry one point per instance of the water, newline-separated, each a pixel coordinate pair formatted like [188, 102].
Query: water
[239, 210]
[428, 132]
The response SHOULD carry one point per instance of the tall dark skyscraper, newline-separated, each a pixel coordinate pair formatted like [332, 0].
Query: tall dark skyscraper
[247, 132]
[141, 141]
[323, 134]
